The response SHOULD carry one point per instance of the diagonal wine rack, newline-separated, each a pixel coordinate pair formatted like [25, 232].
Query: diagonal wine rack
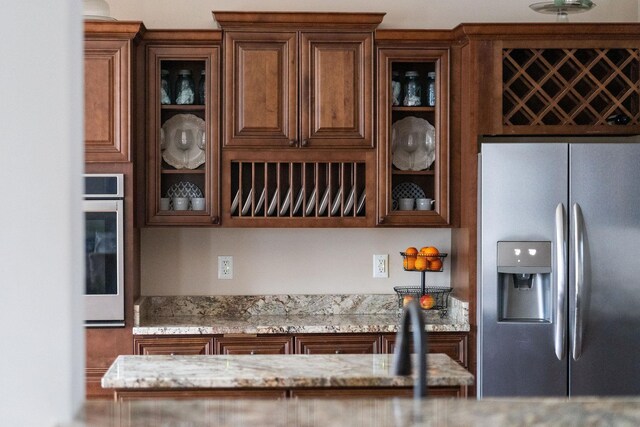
[569, 86]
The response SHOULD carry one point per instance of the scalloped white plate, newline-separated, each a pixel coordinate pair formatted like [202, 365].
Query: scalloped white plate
[183, 134]
[413, 144]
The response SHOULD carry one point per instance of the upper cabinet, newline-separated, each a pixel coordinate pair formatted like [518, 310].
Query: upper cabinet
[557, 78]
[108, 63]
[182, 98]
[300, 80]
[413, 136]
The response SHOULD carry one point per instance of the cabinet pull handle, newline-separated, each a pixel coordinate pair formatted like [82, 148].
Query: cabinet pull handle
[293, 143]
[305, 142]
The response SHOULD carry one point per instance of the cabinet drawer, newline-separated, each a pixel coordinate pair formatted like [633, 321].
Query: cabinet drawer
[338, 344]
[254, 345]
[172, 345]
[452, 344]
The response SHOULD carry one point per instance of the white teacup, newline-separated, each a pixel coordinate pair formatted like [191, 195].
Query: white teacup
[180, 203]
[405, 204]
[164, 203]
[424, 204]
[197, 203]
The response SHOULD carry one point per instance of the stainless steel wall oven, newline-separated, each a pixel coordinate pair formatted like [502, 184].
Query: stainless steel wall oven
[104, 249]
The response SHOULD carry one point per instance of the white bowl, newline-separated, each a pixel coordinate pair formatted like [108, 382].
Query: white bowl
[97, 10]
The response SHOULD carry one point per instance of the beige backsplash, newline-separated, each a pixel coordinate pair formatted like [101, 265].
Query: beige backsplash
[184, 261]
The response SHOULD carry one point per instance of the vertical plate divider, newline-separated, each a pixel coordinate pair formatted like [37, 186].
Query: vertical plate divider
[253, 189]
[278, 188]
[240, 187]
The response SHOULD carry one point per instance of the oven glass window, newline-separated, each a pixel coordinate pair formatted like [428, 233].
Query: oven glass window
[101, 242]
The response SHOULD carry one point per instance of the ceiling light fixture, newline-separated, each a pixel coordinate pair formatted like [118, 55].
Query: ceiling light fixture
[562, 8]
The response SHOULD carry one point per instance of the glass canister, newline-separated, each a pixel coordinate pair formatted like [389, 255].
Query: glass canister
[396, 88]
[201, 86]
[431, 89]
[165, 90]
[185, 88]
[412, 89]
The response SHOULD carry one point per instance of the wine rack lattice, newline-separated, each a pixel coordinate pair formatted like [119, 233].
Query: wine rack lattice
[569, 86]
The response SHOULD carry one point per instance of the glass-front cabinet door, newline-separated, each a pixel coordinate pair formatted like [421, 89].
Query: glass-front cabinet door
[182, 135]
[413, 139]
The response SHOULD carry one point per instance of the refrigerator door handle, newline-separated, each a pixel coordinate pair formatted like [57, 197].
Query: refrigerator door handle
[560, 328]
[578, 247]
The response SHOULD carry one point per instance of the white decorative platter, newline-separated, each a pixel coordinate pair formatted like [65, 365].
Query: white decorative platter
[413, 144]
[183, 136]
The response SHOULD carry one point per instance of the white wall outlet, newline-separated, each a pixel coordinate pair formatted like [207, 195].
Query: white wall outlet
[225, 267]
[381, 266]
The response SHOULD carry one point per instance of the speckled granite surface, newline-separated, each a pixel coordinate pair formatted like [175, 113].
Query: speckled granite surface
[619, 412]
[276, 314]
[274, 371]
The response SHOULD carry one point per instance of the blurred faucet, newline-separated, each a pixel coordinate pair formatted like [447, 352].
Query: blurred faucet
[402, 354]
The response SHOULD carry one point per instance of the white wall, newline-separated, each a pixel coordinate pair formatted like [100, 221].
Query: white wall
[182, 261]
[41, 273]
[400, 14]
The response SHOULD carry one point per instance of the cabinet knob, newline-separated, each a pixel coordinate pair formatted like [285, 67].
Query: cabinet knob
[215, 220]
[293, 143]
[338, 351]
[252, 352]
[305, 142]
[381, 220]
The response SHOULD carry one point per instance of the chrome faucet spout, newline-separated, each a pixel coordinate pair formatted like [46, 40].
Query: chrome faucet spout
[412, 315]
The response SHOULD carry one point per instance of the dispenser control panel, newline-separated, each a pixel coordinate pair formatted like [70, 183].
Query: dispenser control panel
[524, 257]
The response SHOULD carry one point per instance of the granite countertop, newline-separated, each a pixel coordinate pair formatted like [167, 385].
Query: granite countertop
[284, 314]
[274, 371]
[584, 411]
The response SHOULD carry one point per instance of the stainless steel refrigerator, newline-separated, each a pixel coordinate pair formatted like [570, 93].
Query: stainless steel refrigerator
[559, 267]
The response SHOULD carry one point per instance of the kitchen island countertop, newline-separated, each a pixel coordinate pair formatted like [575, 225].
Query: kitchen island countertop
[619, 412]
[274, 371]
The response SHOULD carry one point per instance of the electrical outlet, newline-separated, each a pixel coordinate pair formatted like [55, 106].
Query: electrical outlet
[381, 266]
[225, 267]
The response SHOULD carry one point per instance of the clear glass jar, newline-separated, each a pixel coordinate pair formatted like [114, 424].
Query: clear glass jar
[412, 89]
[431, 89]
[396, 88]
[165, 88]
[185, 88]
[201, 86]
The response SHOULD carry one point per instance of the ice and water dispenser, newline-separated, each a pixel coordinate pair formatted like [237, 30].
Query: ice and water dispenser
[524, 281]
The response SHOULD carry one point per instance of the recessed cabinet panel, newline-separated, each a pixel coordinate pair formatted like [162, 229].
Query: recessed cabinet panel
[261, 83]
[106, 95]
[337, 93]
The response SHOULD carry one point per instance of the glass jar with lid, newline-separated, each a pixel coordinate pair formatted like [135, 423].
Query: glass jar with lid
[165, 91]
[412, 89]
[431, 89]
[185, 88]
[201, 87]
[396, 88]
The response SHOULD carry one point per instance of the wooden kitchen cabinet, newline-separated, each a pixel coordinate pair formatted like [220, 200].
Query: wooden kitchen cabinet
[337, 344]
[109, 57]
[265, 344]
[170, 345]
[413, 140]
[298, 80]
[453, 344]
[182, 134]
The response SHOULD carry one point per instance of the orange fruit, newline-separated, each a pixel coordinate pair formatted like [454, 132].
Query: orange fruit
[421, 263]
[411, 251]
[409, 263]
[430, 252]
[427, 301]
[435, 265]
[406, 299]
